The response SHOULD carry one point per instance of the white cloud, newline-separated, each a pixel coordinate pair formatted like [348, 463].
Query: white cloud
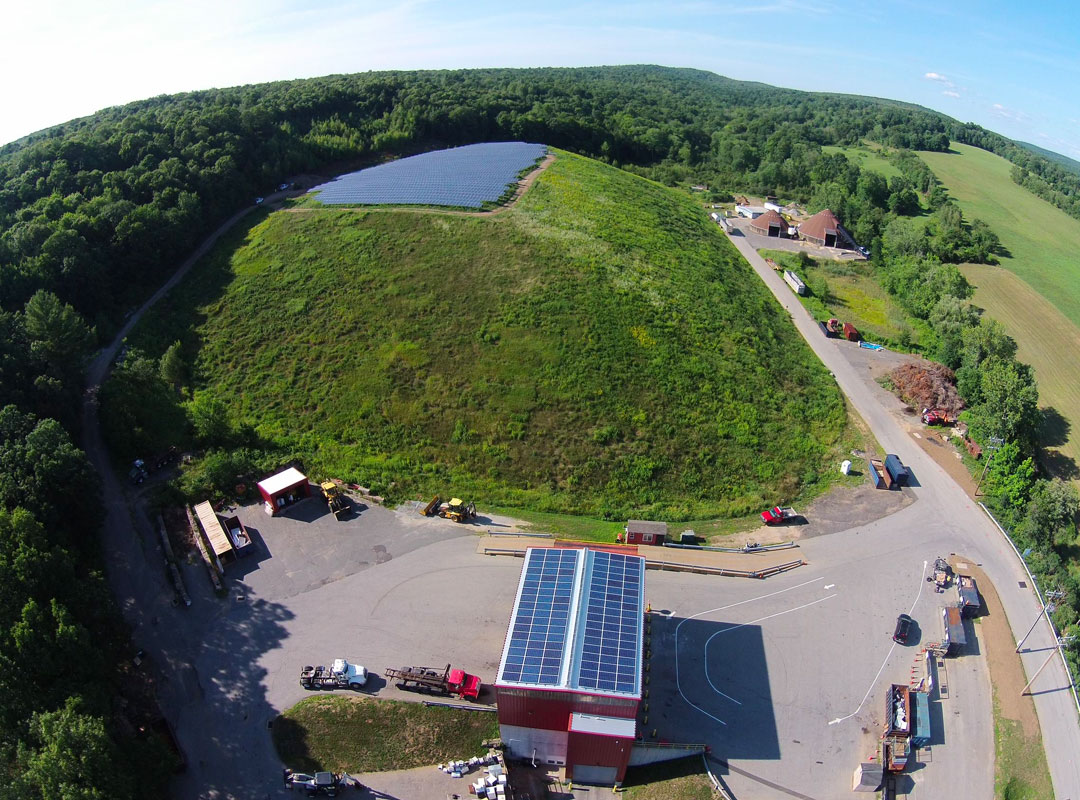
[937, 77]
[1008, 113]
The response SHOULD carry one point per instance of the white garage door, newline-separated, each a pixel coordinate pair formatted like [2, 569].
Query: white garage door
[601, 776]
[546, 747]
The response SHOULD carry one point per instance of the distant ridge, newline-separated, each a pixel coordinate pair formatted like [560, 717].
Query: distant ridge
[1069, 163]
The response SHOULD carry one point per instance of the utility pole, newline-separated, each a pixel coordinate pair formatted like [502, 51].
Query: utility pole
[1051, 598]
[1062, 641]
[994, 443]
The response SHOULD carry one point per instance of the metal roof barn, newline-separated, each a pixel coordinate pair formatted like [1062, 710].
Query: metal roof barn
[283, 489]
[574, 647]
[467, 177]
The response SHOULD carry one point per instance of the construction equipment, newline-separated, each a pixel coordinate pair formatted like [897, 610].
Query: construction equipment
[340, 675]
[937, 416]
[434, 681]
[432, 507]
[778, 516]
[458, 511]
[335, 498]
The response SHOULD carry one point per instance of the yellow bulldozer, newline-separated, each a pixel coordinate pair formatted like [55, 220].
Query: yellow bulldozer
[335, 498]
[458, 510]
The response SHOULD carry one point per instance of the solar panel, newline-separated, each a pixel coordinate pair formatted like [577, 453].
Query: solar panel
[466, 176]
[611, 647]
[534, 652]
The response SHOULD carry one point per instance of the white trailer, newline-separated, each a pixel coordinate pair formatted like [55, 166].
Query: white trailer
[793, 280]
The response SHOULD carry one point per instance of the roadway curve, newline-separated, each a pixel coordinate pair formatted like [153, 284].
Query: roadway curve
[962, 523]
[167, 632]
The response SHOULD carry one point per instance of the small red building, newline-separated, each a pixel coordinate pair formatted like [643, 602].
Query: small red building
[570, 678]
[639, 531]
[281, 490]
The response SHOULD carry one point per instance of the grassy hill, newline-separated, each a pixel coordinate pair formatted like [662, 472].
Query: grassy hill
[1041, 310]
[599, 347]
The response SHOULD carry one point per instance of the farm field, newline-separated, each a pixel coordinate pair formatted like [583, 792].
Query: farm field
[1042, 240]
[1035, 293]
[1050, 347]
[597, 348]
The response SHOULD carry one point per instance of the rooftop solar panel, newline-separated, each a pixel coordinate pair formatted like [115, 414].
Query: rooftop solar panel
[537, 641]
[577, 622]
[610, 648]
[466, 176]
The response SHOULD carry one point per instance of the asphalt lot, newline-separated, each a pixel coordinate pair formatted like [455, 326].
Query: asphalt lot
[785, 679]
[759, 671]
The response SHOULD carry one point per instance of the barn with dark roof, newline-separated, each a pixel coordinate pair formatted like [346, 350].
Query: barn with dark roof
[570, 679]
[823, 229]
[770, 224]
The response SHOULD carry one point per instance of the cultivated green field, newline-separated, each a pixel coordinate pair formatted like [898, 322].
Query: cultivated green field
[1036, 292]
[596, 349]
[1043, 242]
[1050, 347]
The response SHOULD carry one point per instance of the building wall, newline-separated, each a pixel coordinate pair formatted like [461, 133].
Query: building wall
[547, 747]
[591, 750]
[551, 710]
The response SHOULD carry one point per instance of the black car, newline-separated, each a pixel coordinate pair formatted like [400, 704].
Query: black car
[904, 624]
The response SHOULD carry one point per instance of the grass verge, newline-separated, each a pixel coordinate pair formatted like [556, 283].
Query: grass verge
[684, 779]
[359, 734]
[1020, 771]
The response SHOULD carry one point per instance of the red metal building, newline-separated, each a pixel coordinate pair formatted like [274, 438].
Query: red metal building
[283, 489]
[640, 531]
[569, 682]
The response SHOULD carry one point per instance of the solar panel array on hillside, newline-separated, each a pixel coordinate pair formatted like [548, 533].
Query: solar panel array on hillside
[466, 176]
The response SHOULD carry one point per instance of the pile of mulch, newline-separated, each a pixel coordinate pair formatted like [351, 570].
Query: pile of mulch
[927, 385]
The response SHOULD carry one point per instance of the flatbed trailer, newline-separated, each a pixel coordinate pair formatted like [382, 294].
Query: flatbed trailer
[436, 681]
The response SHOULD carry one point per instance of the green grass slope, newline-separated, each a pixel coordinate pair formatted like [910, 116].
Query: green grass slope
[598, 348]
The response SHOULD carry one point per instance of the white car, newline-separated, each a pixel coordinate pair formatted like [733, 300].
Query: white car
[258, 201]
[283, 187]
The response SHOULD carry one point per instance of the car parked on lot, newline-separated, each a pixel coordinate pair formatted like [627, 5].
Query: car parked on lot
[904, 624]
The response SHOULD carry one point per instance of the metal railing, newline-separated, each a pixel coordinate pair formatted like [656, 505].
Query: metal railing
[1042, 602]
[757, 548]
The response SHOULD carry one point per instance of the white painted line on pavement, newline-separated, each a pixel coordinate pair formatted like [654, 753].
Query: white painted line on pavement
[873, 683]
[678, 677]
[830, 586]
[708, 641]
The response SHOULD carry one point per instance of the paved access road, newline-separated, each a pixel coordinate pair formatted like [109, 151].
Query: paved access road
[956, 518]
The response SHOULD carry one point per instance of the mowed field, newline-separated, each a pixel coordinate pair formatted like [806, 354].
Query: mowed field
[1045, 339]
[1043, 242]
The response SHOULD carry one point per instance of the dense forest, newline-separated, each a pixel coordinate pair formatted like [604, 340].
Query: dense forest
[96, 212]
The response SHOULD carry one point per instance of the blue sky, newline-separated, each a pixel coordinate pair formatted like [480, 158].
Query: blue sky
[1012, 69]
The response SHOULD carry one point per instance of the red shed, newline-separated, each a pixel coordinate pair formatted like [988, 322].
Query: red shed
[283, 489]
[569, 683]
[642, 532]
